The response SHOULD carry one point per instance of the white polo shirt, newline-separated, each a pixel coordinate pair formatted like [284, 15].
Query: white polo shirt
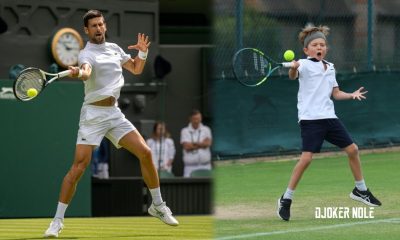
[162, 154]
[200, 156]
[106, 61]
[315, 90]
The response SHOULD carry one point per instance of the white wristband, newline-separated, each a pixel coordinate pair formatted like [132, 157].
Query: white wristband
[80, 73]
[142, 55]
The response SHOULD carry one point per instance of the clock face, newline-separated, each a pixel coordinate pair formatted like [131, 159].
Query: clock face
[65, 47]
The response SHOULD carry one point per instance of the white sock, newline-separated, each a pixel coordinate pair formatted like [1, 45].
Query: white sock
[288, 194]
[360, 185]
[61, 208]
[156, 195]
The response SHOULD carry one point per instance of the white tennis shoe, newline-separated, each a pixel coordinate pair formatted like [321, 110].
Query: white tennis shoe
[163, 213]
[55, 228]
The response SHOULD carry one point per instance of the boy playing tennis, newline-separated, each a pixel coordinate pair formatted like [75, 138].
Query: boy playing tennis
[317, 118]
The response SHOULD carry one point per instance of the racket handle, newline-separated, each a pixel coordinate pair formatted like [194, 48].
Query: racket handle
[287, 64]
[64, 73]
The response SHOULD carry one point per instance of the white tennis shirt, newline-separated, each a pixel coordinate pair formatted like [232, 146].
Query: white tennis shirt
[315, 90]
[106, 61]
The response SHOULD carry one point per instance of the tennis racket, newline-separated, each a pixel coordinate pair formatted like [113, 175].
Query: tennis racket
[252, 67]
[34, 78]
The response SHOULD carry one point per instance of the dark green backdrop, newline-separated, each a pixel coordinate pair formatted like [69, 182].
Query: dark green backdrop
[37, 147]
[263, 120]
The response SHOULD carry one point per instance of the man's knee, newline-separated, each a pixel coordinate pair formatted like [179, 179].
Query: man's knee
[78, 169]
[145, 154]
[74, 175]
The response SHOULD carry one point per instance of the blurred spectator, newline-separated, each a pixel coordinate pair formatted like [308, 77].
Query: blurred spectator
[196, 140]
[162, 147]
[100, 160]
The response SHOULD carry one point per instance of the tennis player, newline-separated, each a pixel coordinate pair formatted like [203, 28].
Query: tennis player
[100, 67]
[317, 118]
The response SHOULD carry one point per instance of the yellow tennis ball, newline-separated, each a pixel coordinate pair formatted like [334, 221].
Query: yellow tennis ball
[288, 55]
[32, 92]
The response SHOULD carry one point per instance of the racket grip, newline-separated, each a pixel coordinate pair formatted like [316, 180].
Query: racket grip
[64, 73]
[287, 64]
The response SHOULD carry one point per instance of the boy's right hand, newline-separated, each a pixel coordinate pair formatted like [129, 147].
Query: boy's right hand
[293, 73]
[296, 65]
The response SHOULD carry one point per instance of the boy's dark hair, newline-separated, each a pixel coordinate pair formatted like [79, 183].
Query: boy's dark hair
[91, 14]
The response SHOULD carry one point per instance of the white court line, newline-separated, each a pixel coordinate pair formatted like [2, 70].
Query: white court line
[389, 220]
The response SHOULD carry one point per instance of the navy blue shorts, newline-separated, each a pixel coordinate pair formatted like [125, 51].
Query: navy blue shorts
[314, 132]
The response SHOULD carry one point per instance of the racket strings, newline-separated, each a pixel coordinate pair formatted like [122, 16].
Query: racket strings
[250, 67]
[31, 78]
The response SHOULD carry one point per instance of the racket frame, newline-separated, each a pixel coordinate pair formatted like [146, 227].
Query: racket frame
[268, 66]
[46, 82]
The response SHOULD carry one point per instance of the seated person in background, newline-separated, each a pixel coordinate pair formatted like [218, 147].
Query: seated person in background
[162, 147]
[196, 140]
[100, 160]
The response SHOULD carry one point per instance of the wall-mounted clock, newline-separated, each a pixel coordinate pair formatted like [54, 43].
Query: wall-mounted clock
[65, 46]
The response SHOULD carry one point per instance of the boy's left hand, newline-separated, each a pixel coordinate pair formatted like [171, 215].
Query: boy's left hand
[359, 94]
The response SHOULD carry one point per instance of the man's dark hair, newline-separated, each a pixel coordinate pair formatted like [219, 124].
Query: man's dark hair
[91, 14]
[194, 112]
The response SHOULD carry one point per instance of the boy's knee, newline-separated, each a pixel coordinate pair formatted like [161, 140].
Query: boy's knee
[352, 149]
[306, 158]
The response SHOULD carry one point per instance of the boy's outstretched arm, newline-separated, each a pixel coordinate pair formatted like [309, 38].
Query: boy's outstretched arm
[293, 73]
[340, 95]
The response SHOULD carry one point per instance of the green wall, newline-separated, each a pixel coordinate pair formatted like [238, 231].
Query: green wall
[263, 120]
[37, 148]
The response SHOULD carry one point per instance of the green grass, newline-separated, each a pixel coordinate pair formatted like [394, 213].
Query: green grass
[246, 196]
[191, 227]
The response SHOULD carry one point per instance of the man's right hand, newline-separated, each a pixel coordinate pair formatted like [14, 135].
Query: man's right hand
[74, 72]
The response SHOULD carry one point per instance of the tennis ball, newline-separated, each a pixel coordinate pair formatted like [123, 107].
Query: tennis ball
[288, 55]
[32, 92]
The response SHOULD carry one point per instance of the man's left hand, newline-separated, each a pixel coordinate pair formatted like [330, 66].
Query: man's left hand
[142, 44]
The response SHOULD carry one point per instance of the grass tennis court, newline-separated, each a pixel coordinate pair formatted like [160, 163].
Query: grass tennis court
[191, 227]
[247, 193]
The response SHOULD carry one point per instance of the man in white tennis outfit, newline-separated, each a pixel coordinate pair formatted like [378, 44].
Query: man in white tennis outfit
[100, 67]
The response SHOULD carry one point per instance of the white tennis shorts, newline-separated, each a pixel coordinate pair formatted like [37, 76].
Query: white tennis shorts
[96, 122]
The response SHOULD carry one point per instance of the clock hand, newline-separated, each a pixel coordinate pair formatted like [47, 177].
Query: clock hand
[74, 48]
[66, 46]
